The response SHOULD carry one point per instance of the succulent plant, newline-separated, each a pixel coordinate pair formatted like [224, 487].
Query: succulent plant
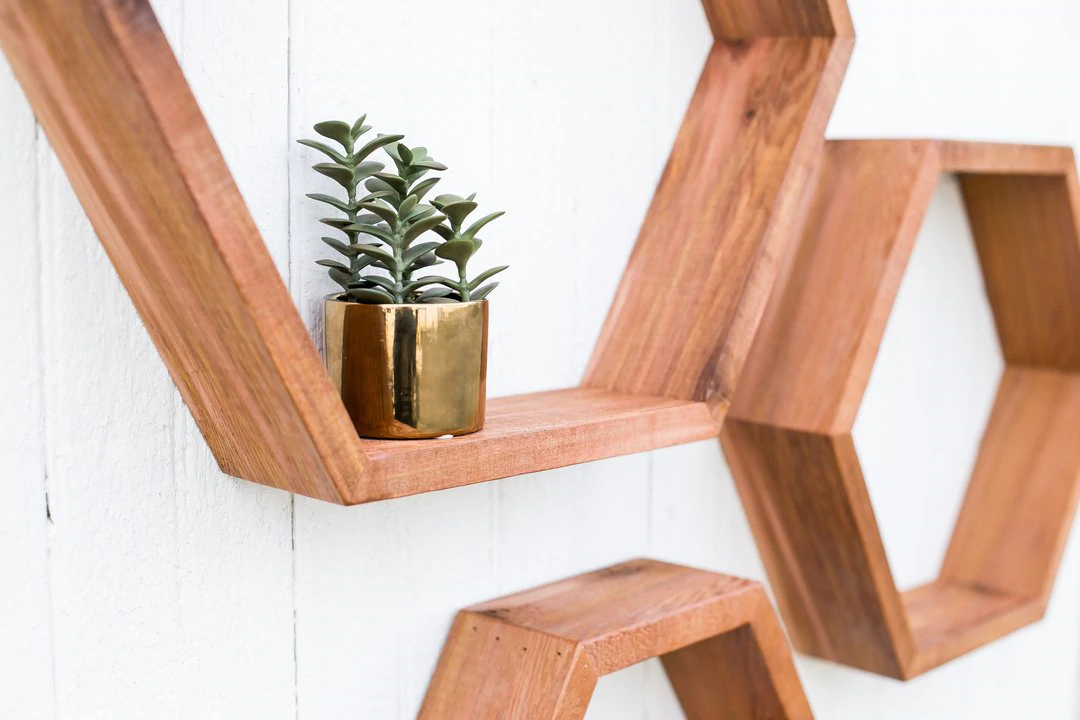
[393, 219]
[460, 245]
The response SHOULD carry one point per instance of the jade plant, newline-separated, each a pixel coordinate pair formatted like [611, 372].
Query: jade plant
[390, 233]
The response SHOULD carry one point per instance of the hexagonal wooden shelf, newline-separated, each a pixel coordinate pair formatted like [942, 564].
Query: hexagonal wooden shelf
[537, 655]
[116, 107]
[788, 436]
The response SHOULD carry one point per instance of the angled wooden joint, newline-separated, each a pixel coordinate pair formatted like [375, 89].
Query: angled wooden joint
[116, 107]
[537, 655]
[788, 438]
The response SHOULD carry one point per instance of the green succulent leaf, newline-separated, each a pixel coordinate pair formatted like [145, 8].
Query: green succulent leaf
[346, 250]
[432, 294]
[359, 128]
[414, 253]
[376, 196]
[396, 183]
[485, 275]
[335, 130]
[421, 188]
[408, 204]
[442, 201]
[374, 231]
[483, 292]
[383, 282]
[377, 255]
[366, 170]
[404, 154]
[419, 213]
[425, 261]
[375, 185]
[456, 251]
[340, 174]
[458, 211]
[337, 223]
[387, 213]
[445, 232]
[428, 164]
[341, 205]
[373, 145]
[333, 264]
[479, 224]
[325, 150]
[341, 277]
[420, 227]
[419, 153]
[415, 285]
[371, 295]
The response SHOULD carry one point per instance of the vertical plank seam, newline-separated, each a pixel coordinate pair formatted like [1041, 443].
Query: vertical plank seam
[40, 147]
[291, 284]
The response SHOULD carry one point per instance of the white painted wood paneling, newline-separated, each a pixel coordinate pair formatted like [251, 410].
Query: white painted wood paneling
[234, 553]
[26, 682]
[162, 589]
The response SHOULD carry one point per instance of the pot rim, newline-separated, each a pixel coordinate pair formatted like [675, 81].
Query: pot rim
[336, 298]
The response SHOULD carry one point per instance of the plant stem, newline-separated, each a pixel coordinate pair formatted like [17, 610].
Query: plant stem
[463, 285]
[399, 290]
[354, 237]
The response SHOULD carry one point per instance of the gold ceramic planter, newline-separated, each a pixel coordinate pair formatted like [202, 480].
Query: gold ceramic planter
[409, 371]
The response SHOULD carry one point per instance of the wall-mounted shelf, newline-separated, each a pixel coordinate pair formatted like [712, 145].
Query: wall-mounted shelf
[116, 107]
[788, 436]
[537, 655]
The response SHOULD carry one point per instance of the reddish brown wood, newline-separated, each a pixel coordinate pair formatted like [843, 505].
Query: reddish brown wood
[527, 433]
[788, 436]
[720, 217]
[537, 655]
[115, 105]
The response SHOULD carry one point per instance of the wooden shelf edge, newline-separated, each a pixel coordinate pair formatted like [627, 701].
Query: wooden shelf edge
[536, 655]
[530, 433]
[950, 619]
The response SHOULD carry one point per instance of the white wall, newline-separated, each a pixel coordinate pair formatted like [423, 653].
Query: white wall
[138, 582]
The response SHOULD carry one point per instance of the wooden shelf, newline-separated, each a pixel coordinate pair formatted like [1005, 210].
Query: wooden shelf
[788, 436]
[538, 654]
[116, 107]
[527, 433]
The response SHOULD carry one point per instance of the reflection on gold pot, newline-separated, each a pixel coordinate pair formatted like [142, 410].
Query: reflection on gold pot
[409, 371]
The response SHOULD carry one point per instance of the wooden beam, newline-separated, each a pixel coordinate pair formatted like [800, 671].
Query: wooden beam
[697, 281]
[837, 287]
[537, 655]
[808, 506]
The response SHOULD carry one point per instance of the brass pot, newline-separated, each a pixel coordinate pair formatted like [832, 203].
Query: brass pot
[409, 371]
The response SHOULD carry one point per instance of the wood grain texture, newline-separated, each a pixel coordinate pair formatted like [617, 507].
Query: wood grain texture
[538, 654]
[116, 106]
[719, 220]
[837, 286]
[527, 433]
[1031, 275]
[769, 18]
[788, 437]
[808, 506]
